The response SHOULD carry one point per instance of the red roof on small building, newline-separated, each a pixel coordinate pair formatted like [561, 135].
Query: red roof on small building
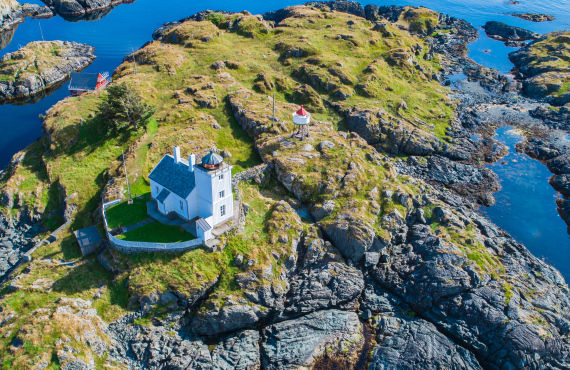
[302, 112]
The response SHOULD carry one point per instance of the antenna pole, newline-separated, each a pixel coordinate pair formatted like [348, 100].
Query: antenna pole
[41, 32]
[274, 117]
[127, 177]
[134, 59]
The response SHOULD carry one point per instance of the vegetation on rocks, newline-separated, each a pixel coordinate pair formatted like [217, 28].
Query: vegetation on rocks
[40, 65]
[543, 66]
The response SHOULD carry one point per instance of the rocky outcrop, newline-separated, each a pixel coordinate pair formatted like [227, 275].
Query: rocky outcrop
[40, 65]
[474, 182]
[405, 341]
[351, 7]
[81, 8]
[17, 235]
[240, 351]
[12, 13]
[322, 280]
[543, 67]
[8, 11]
[486, 312]
[510, 35]
[392, 135]
[156, 347]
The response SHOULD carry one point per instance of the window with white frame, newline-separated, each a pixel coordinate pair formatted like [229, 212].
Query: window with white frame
[223, 210]
[181, 205]
[221, 176]
[222, 194]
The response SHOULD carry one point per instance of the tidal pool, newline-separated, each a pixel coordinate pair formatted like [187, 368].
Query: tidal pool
[526, 205]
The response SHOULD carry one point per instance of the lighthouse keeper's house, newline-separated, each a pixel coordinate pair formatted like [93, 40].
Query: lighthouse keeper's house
[194, 192]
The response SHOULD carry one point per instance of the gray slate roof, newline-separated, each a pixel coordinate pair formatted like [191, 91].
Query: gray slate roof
[176, 177]
[88, 239]
[163, 195]
[203, 224]
[83, 81]
[212, 159]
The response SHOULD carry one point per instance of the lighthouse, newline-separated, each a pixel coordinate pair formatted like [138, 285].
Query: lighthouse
[301, 119]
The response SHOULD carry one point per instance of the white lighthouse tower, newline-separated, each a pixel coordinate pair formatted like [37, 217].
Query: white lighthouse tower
[301, 119]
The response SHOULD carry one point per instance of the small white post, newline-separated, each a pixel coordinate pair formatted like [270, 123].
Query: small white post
[127, 177]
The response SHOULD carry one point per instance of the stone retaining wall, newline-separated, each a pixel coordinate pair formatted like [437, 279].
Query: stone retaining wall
[251, 173]
[247, 175]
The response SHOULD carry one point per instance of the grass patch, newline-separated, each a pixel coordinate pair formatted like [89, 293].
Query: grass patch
[155, 232]
[125, 214]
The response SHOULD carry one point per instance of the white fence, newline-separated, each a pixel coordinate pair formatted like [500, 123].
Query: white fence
[129, 247]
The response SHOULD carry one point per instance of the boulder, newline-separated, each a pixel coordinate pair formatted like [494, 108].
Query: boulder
[352, 236]
[223, 320]
[406, 343]
[298, 343]
[240, 352]
[331, 285]
[320, 211]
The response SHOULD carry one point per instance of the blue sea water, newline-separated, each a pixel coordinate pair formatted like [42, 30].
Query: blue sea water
[525, 206]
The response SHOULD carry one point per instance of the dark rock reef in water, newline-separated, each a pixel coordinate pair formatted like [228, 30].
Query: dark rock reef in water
[80, 8]
[510, 35]
[534, 17]
[40, 65]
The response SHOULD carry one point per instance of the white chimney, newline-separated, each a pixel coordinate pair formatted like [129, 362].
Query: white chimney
[176, 154]
[191, 162]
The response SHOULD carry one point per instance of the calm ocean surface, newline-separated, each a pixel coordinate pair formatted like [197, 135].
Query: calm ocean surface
[525, 206]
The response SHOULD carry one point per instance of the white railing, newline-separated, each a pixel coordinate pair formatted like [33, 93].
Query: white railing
[127, 246]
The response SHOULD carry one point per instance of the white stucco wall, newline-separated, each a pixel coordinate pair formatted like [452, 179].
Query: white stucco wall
[225, 185]
[203, 191]
[192, 201]
[208, 187]
[173, 205]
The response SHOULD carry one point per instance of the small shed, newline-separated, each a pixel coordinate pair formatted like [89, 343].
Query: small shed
[82, 82]
[89, 239]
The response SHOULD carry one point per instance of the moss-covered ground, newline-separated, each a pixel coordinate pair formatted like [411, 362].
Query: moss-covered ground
[34, 58]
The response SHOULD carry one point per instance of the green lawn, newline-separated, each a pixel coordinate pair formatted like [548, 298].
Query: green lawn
[155, 232]
[125, 214]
